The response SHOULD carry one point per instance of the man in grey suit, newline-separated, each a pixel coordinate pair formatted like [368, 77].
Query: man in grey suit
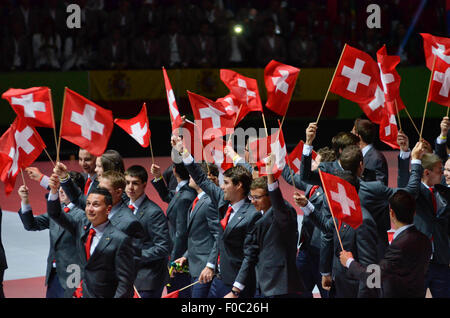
[374, 160]
[202, 239]
[3, 264]
[238, 217]
[105, 252]
[275, 237]
[63, 250]
[152, 273]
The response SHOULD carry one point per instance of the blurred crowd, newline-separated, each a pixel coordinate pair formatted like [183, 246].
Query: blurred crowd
[147, 34]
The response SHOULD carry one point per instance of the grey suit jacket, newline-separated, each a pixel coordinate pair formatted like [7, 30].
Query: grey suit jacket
[177, 214]
[202, 235]
[3, 264]
[375, 160]
[63, 247]
[237, 235]
[110, 271]
[152, 273]
[274, 249]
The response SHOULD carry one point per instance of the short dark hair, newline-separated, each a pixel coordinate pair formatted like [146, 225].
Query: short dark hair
[77, 178]
[181, 171]
[326, 154]
[213, 169]
[112, 160]
[351, 158]
[259, 183]
[240, 174]
[105, 193]
[342, 140]
[404, 206]
[366, 130]
[349, 177]
[116, 178]
[137, 172]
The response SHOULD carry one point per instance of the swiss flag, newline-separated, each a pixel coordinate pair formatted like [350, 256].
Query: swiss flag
[86, 124]
[214, 152]
[440, 85]
[357, 77]
[342, 199]
[175, 117]
[23, 145]
[192, 141]
[33, 104]
[280, 82]
[390, 79]
[231, 105]
[244, 89]
[137, 127]
[215, 121]
[295, 157]
[173, 294]
[260, 150]
[388, 129]
[435, 46]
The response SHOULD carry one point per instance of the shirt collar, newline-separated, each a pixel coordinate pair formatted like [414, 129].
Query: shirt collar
[238, 205]
[366, 149]
[99, 229]
[200, 195]
[181, 184]
[138, 202]
[401, 229]
[114, 209]
[70, 205]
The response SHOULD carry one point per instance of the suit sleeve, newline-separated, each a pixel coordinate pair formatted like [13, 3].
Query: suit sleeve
[441, 150]
[158, 230]
[181, 234]
[125, 269]
[306, 175]
[299, 184]
[326, 252]
[34, 223]
[162, 190]
[322, 218]
[250, 251]
[403, 172]
[282, 212]
[212, 218]
[413, 184]
[74, 193]
[66, 220]
[381, 170]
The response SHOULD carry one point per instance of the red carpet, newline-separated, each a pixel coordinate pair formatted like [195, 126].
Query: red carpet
[25, 288]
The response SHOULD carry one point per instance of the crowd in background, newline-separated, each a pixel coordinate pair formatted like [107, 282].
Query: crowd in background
[148, 34]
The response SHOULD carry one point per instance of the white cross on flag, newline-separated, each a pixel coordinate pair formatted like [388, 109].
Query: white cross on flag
[245, 91]
[357, 76]
[213, 117]
[86, 124]
[389, 130]
[435, 46]
[175, 117]
[343, 199]
[280, 82]
[440, 85]
[295, 157]
[214, 152]
[23, 145]
[137, 127]
[33, 104]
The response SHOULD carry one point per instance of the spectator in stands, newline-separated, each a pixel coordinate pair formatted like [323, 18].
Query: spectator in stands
[174, 47]
[47, 47]
[302, 50]
[16, 49]
[27, 16]
[203, 47]
[234, 48]
[146, 52]
[114, 51]
[122, 18]
[271, 46]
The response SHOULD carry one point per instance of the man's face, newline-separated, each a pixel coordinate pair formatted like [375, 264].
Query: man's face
[98, 167]
[447, 172]
[96, 209]
[115, 193]
[86, 161]
[435, 174]
[230, 190]
[214, 179]
[260, 199]
[134, 188]
[63, 197]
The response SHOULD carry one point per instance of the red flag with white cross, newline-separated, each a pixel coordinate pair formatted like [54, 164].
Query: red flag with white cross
[215, 121]
[295, 157]
[214, 152]
[440, 84]
[342, 198]
[280, 82]
[137, 127]
[435, 46]
[175, 117]
[357, 78]
[86, 124]
[244, 89]
[22, 143]
[388, 129]
[33, 104]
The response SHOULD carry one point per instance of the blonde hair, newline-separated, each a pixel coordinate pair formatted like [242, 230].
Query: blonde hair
[429, 160]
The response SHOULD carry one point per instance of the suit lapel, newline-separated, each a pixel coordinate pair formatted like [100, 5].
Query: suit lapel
[197, 207]
[237, 218]
[142, 208]
[104, 241]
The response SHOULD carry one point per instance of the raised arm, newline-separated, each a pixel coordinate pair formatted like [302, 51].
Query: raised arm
[29, 221]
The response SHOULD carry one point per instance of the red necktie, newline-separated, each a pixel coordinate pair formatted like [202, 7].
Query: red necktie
[87, 185]
[131, 207]
[66, 209]
[224, 221]
[88, 243]
[313, 189]
[194, 203]
[433, 199]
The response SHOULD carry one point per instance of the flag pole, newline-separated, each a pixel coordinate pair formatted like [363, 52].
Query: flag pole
[46, 152]
[23, 178]
[415, 127]
[151, 149]
[331, 82]
[426, 100]
[235, 121]
[398, 114]
[60, 125]
[264, 122]
[331, 210]
[448, 108]
[53, 119]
